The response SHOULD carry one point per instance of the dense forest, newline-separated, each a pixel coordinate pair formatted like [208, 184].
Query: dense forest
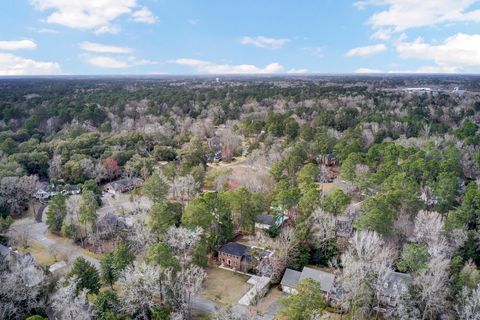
[364, 178]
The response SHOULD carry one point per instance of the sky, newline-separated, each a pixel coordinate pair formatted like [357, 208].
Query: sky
[99, 37]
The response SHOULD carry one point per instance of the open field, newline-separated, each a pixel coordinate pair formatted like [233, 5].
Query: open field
[224, 287]
[43, 256]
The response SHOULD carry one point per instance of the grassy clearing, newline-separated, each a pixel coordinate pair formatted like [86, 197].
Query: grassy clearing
[43, 256]
[328, 187]
[225, 287]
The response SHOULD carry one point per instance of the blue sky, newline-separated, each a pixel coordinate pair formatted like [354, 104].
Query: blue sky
[247, 36]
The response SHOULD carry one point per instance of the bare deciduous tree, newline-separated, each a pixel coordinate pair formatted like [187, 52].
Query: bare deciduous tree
[182, 286]
[139, 287]
[15, 192]
[184, 188]
[468, 305]
[434, 285]
[22, 285]
[285, 248]
[182, 242]
[364, 263]
[322, 227]
[68, 305]
[55, 167]
[230, 142]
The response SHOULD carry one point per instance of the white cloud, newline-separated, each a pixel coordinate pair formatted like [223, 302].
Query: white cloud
[314, 51]
[382, 34]
[367, 70]
[108, 28]
[102, 48]
[297, 70]
[44, 30]
[116, 62]
[427, 69]
[203, 66]
[406, 14]
[455, 54]
[366, 51]
[144, 15]
[17, 45]
[96, 15]
[12, 65]
[264, 42]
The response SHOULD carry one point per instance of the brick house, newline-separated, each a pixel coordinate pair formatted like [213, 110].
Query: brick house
[235, 256]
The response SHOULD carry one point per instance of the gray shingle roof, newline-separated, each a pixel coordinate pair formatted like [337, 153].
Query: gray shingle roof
[4, 250]
[290, 278]
[234, 248]
[265, 219]
[325, 278]
[396, 283]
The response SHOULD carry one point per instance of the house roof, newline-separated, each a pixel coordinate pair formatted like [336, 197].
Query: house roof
[4, 251]
[234, 248]
[396, 282]
[265, 219]
[290, 278]
[325, 278]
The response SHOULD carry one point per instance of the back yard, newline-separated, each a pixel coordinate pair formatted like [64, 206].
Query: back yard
[224, 287]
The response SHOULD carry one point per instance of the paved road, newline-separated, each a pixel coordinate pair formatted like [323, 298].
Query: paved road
[28, 228]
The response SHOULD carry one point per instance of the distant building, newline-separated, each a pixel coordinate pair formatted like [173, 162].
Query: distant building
[123, 185]
[235, 256]
[291, 278]
[46, 191]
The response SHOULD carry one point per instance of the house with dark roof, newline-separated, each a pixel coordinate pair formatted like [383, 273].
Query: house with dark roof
[264, 221]
[235, 256]
[291, 278]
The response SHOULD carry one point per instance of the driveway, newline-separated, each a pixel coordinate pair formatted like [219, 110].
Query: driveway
[204, 305]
